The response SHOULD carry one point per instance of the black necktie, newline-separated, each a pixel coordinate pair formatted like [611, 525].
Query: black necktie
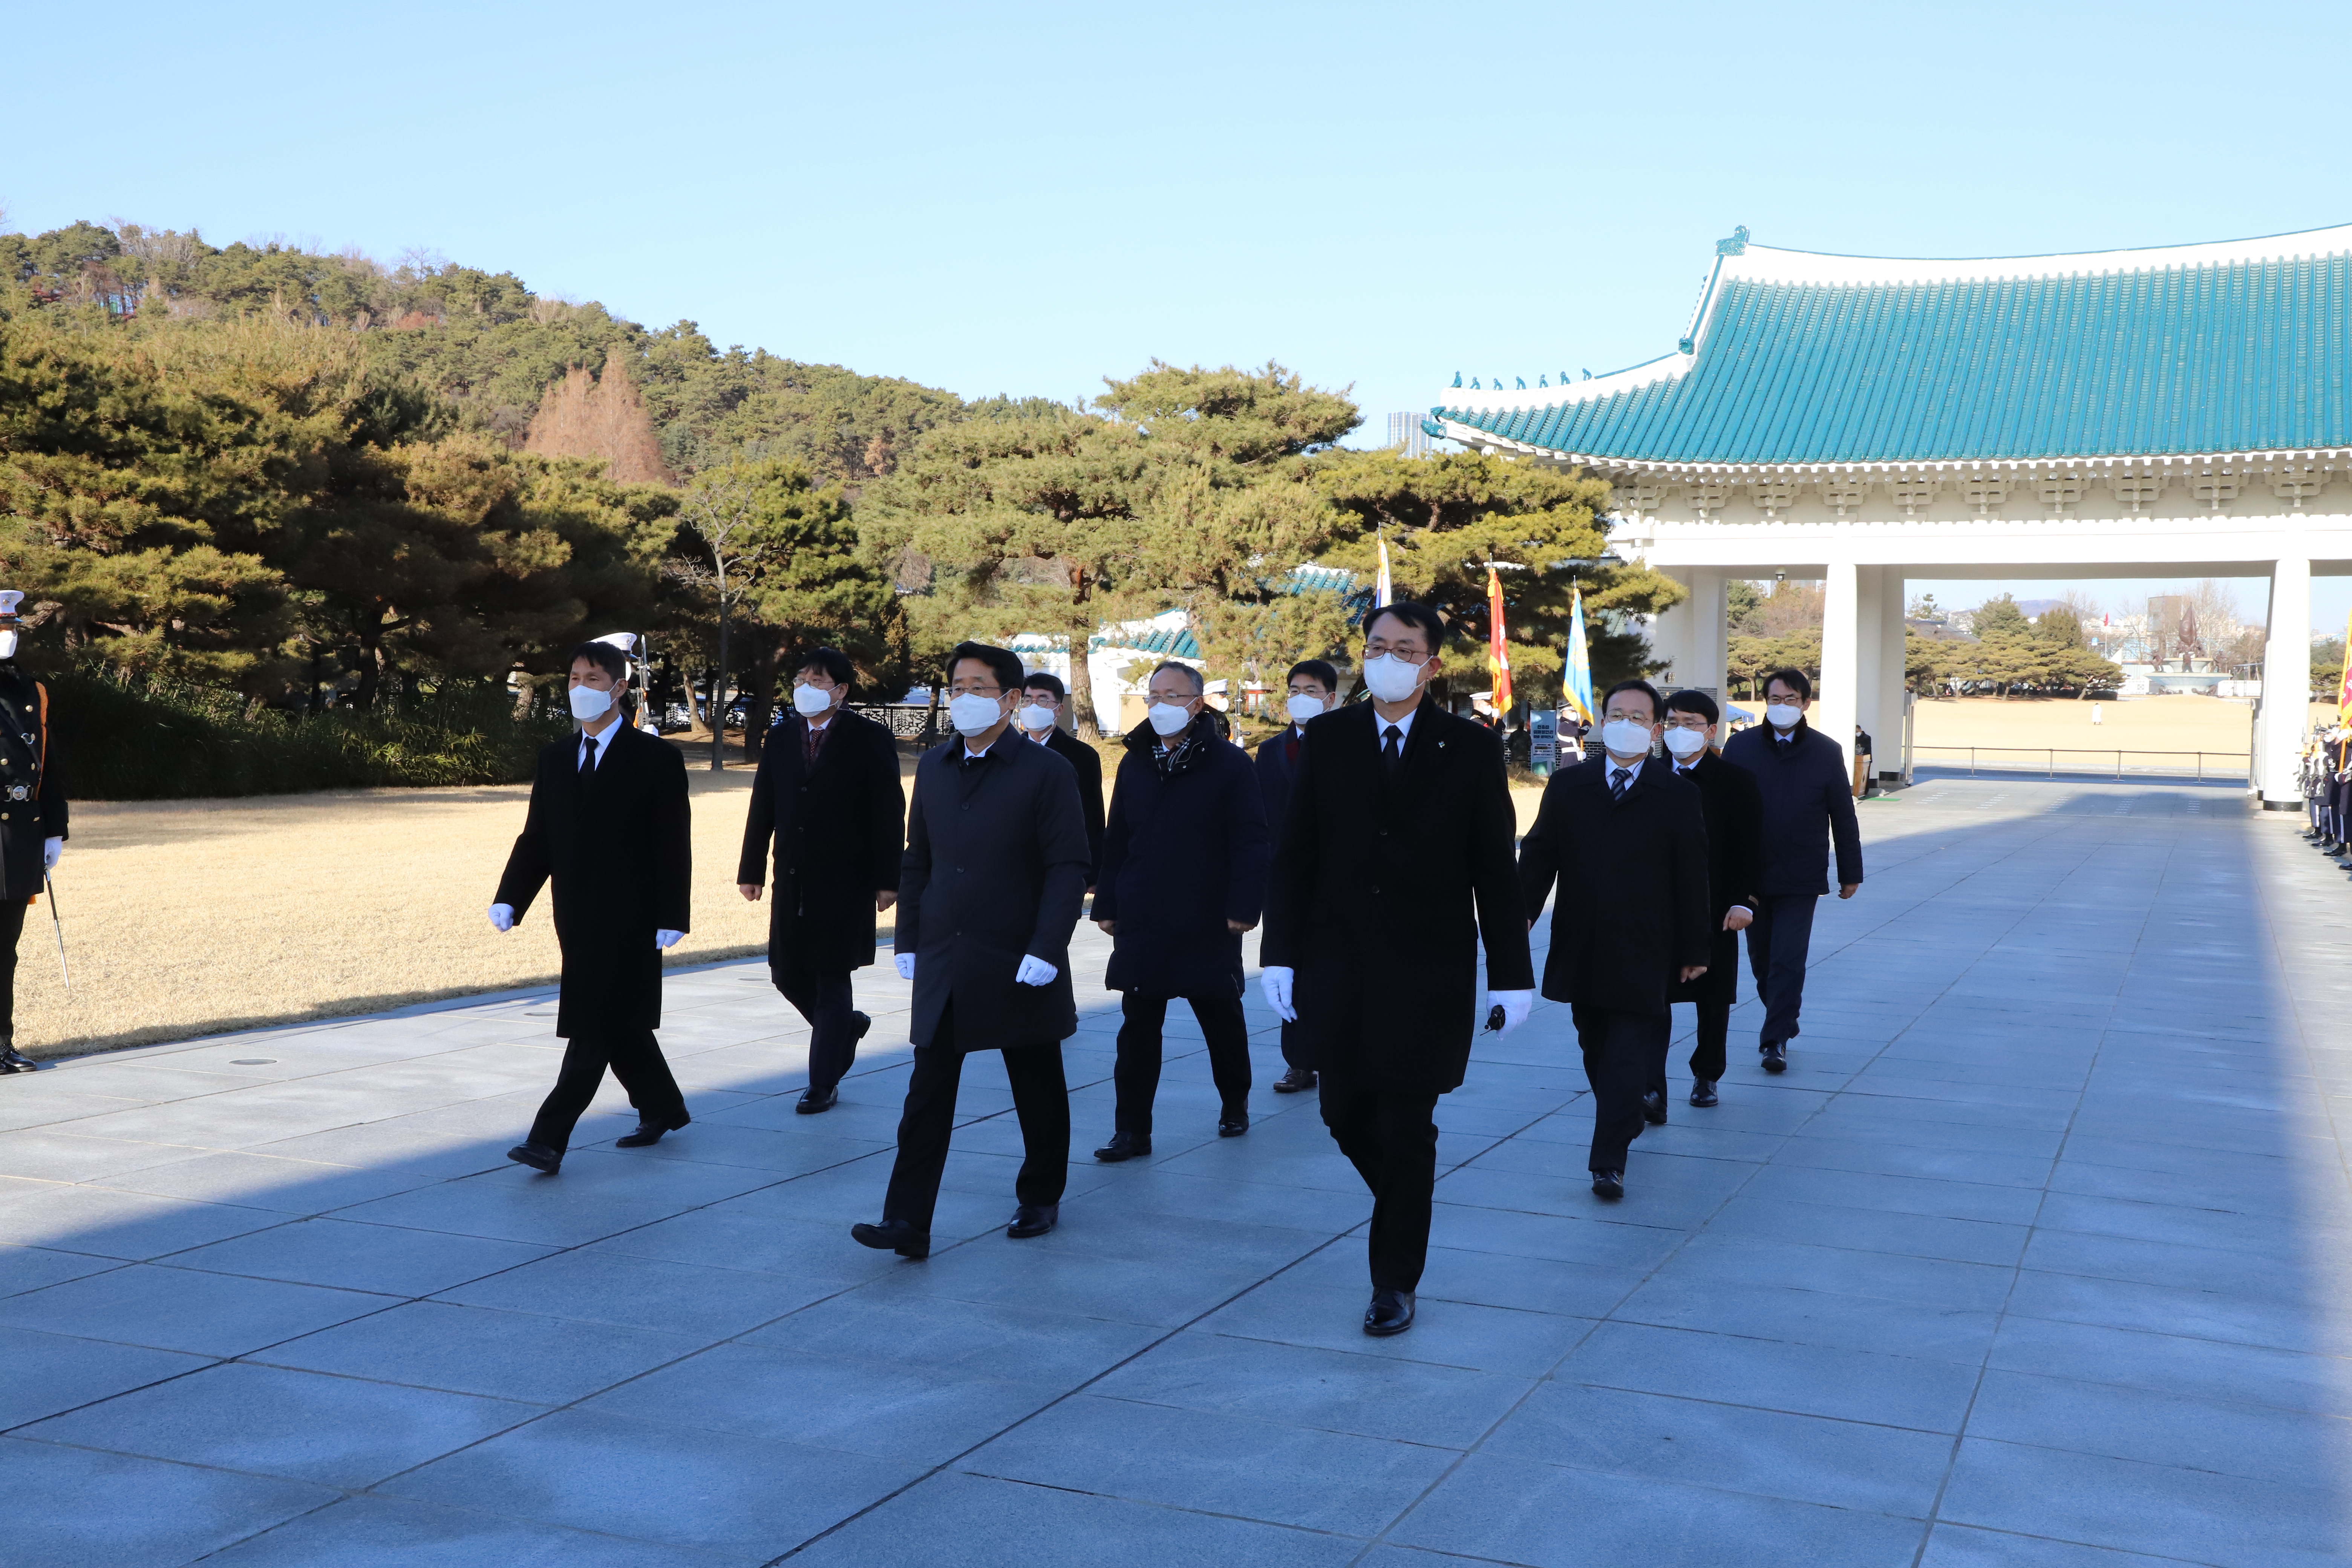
[1618, 779]
[587, 754]
[1391, 750]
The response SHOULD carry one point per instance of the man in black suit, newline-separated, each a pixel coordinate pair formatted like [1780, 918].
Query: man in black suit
[990, 889]
[1735, 835]
[1627, 842]
[1807, 802]
[828, 806]
[1395, 862]
[32, 815]
[1043, 698]
[608, 825]
[1314, 690]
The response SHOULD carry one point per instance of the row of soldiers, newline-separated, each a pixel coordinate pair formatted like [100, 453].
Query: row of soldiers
[2326, 779]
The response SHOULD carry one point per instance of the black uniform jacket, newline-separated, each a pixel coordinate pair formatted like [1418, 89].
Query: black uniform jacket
[1633, 884]
[1275, 769]
[837, 831]
[1808, 801]
[1087, 762]
[617, 846]
[1735, 851]
[995, 869]
[32, 801]
[1382, 890]
[1184, 855]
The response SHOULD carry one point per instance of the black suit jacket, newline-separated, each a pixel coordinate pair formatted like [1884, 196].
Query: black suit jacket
[1735, 860]
[836, 832]
[618, 847]
[1275, 773]
[1088, 763]
[1633, 877]
[1382, 890]
[1808, 804]
[995, 869]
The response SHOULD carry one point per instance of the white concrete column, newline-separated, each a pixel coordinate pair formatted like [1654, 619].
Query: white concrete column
[1706, 650]
[2286, 683]
[1841, 689]
[1869, 646]
[1894, 651]
[1670, 630]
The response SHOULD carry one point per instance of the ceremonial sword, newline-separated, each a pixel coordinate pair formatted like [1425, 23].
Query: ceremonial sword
[51, 889]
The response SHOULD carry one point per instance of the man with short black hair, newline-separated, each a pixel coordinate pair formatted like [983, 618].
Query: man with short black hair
[828, 809]
[1626, 840]
[1039, 717]
[990, 887]
[1314, 691]
[1394, 865]
[1808, 798]
[609, 825]
[1735, 831]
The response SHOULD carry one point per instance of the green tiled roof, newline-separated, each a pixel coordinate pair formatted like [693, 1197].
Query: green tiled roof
[2241, 347]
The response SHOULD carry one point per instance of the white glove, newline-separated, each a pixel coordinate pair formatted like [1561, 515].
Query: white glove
[905, 962]
[51, 849]
[502, 916]
[1516, 1006]
[1035, 971]
[1275, 982]
[667, 938]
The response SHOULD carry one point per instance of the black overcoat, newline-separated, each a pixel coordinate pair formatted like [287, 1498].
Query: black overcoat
[1184, 855]
[995, 869]
[836, 832]
[1087, 762]
[1808, 801]
[1381, 891]
[617, 844]
[1275, 772]
[1735, 848]
[1633, 884]
[32, 802]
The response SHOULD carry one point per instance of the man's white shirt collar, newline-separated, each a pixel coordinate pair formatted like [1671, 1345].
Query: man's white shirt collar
[600, 745]
[1403, 728]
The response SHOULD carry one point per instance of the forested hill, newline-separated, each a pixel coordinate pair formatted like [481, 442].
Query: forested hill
[491, 348]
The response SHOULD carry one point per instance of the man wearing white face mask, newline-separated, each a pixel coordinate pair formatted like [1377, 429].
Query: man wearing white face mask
[1313, 688]
[1039, 716]
[989, 891]
[31, 815]
[609, 826]
[1735, 832]
[1394, 868]
[1808, 804]
[828, 809]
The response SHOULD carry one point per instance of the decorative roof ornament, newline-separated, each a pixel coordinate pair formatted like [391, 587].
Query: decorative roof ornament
[1543, 381]
[1735, 246]
[1522, 381]
[1474, 384]
[1588, 375]
[1457, 378]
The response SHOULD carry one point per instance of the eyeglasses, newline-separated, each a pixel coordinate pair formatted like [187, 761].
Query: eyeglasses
[1411, 653]
[1177, 698]
[974, 689]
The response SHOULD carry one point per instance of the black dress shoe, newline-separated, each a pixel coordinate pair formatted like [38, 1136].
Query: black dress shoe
[1294, 1081]
[1390, 1313]
[1653, 1108]
[1608, 1184]
[1124, 1146]
[816, 1099]
[1703, 1093]
[864, 1024]
[891, 1236]
[650, 1129]
[538, 1156]
[1231, 1126]
[11, 1062]
[1032, 1219]
[1775, 1058]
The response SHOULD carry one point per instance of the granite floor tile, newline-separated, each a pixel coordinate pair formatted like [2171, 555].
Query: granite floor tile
[472, 1350]
[76, 1508]
[392, 1532]
[45, 1375]
[1807, 1380]
[185, 1309]
[350, 1256]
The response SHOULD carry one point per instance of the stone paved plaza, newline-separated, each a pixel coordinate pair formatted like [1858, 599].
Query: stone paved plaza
[2032, 1260]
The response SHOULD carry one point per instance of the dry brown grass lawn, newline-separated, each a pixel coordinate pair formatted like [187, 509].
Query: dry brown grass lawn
[2211, 724]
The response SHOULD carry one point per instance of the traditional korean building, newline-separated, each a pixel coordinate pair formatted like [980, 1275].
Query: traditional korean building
[2173, 413]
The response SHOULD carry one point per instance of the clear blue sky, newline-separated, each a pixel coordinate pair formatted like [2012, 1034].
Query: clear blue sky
[1026, 198]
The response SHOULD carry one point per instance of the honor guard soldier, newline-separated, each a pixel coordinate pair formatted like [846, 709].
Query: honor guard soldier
[31, 815]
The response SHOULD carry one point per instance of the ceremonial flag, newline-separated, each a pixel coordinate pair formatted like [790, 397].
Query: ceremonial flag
[2343, 681]
[1577, 679]
[1498, 650]
[1381, 592]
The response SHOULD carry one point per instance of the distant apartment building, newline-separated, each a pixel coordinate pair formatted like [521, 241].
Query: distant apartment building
[1406, 435]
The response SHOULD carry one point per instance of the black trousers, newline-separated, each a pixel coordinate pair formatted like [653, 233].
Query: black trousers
[1041, 1098]
[1777, 943]
[1392, 1140]
[635, 1059]
[1706, 1057]
[1137, 1074]
[1291, 1050]
[1618, 1047]
[822, 997]
[12, 926]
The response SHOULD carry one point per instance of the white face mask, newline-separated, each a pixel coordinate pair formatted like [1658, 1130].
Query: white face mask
[1685, 743]
[588, 704]
[972, 713]
[1167, 718]
[810, 702]
[1624, 738]
[1302, 707]
[7, 642]
[1391, 678]
[1036, 720]
[1783, 715]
